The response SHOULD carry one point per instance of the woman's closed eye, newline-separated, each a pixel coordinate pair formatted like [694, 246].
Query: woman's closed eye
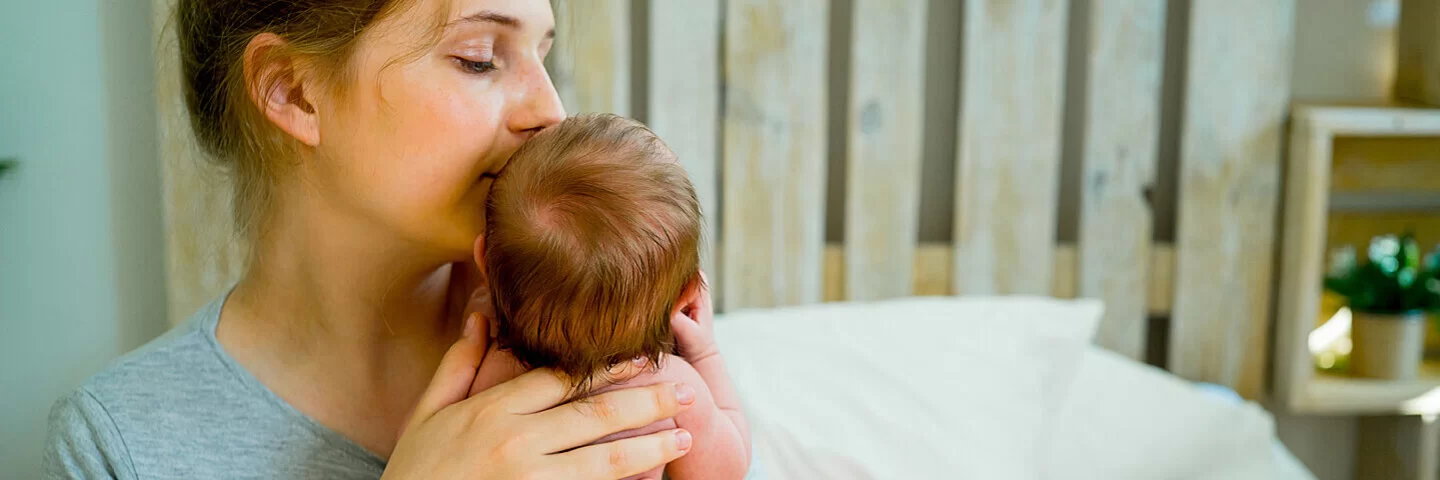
[475, 66]
[478, 58]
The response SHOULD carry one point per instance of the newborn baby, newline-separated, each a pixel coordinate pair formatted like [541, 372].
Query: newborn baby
[591, 253]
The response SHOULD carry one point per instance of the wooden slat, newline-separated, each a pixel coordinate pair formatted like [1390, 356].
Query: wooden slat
[933, 261]
[1009, 145]
[1237, 90]
[590, 60]
[684, 99]
[774, 152]
[1121, 131]
[882, 204]
[203, 256]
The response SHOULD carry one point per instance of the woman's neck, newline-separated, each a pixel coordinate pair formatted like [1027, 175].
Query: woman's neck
[328, 313]
[337, 286]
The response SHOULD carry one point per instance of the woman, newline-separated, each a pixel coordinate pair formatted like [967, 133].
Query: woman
[363, 136]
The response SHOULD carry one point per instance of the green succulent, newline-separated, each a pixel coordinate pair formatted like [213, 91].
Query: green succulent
[1394, 280]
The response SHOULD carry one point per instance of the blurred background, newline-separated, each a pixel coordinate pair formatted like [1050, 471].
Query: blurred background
[110, 229]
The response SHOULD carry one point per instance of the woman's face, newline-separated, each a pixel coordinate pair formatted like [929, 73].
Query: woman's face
[411, 144]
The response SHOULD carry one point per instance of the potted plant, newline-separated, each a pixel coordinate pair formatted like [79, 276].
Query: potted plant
[1389, 297]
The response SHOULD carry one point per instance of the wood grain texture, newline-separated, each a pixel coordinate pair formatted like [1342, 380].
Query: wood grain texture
[774, 152]
[1009, 145]
[882, 204]
[684, 100]
[590, 60]
[203, 254]
[1120, 138]
[1237, 92]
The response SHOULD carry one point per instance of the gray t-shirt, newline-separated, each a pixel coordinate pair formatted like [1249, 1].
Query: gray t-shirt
[180, 407]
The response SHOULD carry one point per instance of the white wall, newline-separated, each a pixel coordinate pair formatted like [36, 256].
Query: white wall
[81, 270]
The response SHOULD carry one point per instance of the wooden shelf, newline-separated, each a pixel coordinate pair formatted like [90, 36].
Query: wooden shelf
[1328, 393]
[1352, 172]
[1385, 202]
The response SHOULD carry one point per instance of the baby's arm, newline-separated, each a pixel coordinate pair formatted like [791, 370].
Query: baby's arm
[694, 329]
[721, 443]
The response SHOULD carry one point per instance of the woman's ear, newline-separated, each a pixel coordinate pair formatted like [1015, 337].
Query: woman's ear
[282, 89]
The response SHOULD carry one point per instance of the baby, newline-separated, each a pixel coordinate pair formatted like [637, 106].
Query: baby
[591, 253]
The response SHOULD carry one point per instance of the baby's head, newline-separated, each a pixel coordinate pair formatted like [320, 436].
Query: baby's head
[592, 236]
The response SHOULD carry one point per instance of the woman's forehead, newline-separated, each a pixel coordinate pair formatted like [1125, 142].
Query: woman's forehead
[416, 25]
[528, 15]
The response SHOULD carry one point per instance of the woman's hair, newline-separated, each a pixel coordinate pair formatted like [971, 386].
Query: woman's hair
[592, 235]
[213, 36]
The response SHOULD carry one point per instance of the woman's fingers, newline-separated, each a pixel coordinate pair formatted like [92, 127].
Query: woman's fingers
[582, 421]
[534, 391]
[542, 388]
[457, 370]
[623, 458]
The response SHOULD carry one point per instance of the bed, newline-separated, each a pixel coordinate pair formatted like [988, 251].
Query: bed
[1001, 387]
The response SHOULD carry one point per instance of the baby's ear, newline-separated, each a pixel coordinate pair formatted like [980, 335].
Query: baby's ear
[480, 252]
[689, 298]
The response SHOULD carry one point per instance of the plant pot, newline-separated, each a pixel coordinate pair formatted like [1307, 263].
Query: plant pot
[1432, 337]
[1387, 345]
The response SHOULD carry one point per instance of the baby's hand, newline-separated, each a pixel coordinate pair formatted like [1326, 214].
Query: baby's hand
[694, 324]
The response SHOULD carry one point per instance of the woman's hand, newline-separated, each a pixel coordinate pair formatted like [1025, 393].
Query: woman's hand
[694, 323]
[518, 429]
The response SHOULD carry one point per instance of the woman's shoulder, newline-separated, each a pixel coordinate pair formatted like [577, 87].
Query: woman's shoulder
[184, 355]
[94, 428]
[180, 407]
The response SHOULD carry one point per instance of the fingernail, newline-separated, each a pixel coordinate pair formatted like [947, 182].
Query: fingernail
[639, 361]
[471, 326]
[684, 394]
[683, 441]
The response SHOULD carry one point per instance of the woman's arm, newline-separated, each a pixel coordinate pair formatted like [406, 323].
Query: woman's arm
[518, 429]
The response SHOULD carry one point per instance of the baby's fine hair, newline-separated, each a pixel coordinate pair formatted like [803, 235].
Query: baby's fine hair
[592, 234]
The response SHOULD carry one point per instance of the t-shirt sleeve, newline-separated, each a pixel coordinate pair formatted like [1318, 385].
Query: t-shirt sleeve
[84, 442]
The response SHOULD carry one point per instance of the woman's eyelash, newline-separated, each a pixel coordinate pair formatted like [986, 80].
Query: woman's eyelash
[474, 66]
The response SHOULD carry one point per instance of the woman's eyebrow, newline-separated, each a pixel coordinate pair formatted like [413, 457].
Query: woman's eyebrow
[490, 16]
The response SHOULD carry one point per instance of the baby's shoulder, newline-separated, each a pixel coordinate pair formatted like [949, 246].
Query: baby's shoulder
[672, 369]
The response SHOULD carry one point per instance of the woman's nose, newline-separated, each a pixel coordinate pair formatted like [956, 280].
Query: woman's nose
[539, 106]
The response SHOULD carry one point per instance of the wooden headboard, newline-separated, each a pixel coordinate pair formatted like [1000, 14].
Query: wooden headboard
[739, 88]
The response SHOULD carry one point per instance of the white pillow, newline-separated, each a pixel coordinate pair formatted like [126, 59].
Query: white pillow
[1122, 419]
[915, 388]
